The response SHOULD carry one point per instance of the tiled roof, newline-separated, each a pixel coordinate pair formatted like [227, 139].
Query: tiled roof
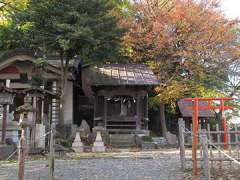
[123, 74]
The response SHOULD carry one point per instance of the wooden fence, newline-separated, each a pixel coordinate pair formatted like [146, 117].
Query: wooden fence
[212, 151]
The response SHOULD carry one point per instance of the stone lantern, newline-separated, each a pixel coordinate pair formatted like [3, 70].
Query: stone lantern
[24, 125]
[24, 122]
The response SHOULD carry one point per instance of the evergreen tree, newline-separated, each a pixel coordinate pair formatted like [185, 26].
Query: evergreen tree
[67, 28]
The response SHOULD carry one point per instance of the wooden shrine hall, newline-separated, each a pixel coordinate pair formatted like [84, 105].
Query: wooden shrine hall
[121, 97]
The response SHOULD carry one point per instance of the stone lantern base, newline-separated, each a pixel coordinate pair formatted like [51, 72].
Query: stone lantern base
[98, 145]
[77, 145]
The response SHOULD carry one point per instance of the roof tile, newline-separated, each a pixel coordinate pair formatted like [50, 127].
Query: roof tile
[123, 74]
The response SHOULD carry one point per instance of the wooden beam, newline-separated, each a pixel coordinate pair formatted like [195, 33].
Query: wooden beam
[207, 99]
[210, 107]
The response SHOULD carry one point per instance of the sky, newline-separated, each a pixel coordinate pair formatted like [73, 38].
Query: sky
[231, 8]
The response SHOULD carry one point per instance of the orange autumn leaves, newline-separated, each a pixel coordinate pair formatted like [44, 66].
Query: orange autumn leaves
[181, 35]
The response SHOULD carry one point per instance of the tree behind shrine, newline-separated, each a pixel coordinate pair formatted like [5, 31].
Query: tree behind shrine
[188, 44]
[68, 28]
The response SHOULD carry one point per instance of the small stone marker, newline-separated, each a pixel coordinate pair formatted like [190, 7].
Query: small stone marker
[98, 145]
[77, 145]
[171, 138]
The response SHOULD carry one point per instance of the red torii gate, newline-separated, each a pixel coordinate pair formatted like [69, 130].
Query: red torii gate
[210, 106]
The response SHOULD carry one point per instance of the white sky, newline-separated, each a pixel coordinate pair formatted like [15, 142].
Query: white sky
[231, 8]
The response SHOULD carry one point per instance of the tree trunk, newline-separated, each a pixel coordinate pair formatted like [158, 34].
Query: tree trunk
[162, 119]
[64, 79]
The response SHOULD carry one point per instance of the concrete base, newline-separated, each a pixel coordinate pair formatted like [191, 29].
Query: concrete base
[77, 145]
[98, 145]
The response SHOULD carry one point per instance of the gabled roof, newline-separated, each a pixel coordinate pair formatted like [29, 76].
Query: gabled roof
[22, 55]
[123, 75]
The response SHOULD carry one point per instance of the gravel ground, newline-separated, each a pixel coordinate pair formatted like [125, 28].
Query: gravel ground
[127, 166]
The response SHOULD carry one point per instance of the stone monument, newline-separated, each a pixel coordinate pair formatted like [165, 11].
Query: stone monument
[40, 140]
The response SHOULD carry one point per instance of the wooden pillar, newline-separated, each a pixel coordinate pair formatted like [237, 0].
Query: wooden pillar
[4, 124]
[95, 109]
[33, 132]
[42, 108]
[147, 120]
[105, 112]
[224, 123]
[138, 123]
[5, 116]
[42, 113]
[8, 82]
[195, 136]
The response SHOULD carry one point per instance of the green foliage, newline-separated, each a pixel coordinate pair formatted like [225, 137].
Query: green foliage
[37, 80]
[70, 27]
[40, 68]
[8, 7]
[123, 7]
[9, 38]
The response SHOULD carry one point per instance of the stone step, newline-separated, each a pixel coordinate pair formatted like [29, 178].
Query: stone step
[122, 140]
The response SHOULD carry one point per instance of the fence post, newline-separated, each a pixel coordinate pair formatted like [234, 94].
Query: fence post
[181, 127]
[206, 167]
[51, 155]
[21, 154]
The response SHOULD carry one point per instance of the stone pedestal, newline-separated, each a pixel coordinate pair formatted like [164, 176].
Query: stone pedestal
[77, 145]
[98, 145]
